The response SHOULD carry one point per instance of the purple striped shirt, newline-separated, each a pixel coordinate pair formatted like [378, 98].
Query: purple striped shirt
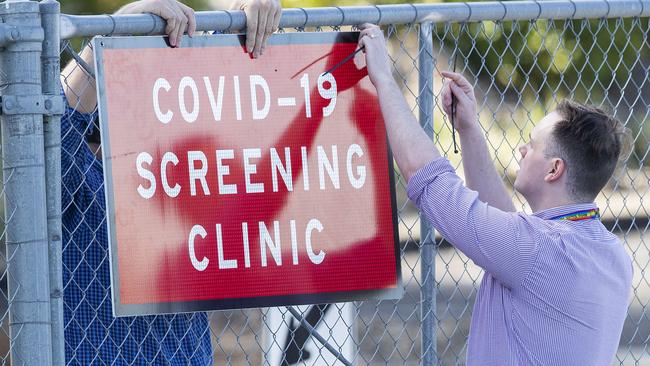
[554, 292]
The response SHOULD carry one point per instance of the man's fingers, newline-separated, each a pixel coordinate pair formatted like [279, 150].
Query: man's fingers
[369, 33]
[170, 30]
[268, 29]
[261, 32]
[459, 93]
[458, 78]
[251, 27]
[276, 19]
[191, 19]
[365, 26]
[178, 32]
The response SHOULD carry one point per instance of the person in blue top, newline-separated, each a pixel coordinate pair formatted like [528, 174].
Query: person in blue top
[92, 335]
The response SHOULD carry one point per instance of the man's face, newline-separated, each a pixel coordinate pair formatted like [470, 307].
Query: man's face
[534, 165]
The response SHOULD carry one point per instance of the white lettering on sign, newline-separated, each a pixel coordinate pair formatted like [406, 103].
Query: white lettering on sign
[332, 168]
[247, 253]
[358, 180]
[260, 113]
[142, 158]
[161, 83]
[270, 245]
[217, 105]
[190, 95]
[223, 170]
[294, 242]
[328, 168]
[250, 169]
[313, 224]
[237, 97]
[184, 84]
[169, 157]
[223, 263]
[203, 263]
[283, 169]
[197, 174]
[305, 168]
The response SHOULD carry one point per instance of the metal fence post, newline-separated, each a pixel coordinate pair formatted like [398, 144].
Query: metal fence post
[50, 17]
[24, 184]
[427, 237]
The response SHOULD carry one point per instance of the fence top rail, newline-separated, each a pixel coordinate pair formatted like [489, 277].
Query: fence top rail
[90, 25]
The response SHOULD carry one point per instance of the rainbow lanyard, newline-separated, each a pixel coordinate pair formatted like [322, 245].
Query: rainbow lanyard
[580, 215]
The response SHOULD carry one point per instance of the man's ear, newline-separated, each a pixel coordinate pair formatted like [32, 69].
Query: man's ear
[557, 169]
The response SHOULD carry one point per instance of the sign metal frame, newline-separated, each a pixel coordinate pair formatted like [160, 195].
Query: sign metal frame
[119, 309]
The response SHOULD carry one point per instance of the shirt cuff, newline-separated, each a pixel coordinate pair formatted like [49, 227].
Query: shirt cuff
[425, 175]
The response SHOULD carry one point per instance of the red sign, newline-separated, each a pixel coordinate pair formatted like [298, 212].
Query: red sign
[236, 182]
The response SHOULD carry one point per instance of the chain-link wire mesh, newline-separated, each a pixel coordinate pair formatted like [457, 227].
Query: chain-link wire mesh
[520, 70]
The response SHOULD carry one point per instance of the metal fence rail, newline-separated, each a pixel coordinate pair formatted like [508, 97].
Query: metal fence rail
[522, 56]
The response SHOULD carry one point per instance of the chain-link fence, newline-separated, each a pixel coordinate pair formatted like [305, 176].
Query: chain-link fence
[522, 57]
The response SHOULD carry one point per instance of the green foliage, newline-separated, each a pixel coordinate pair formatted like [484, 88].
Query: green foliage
[537, 63]
[110, 6]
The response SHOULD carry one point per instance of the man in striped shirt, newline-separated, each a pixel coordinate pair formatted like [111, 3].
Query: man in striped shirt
[557, 282]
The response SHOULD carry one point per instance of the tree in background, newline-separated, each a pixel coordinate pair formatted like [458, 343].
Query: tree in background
[109, 6]
[534, 62]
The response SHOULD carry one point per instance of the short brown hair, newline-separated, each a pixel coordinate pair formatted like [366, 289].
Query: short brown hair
[590, 141]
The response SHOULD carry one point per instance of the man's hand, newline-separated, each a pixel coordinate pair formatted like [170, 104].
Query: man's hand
[377, 60]
[179, 17]
[457, 85]
[262, 20]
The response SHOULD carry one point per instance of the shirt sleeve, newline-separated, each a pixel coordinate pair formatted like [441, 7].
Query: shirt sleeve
[78, 173]
[500, 242]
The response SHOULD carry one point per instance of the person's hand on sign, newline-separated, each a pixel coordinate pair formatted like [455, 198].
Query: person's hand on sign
[462, 90]
[262, 20]
[178, 16]
[377, 60]
[79, 86]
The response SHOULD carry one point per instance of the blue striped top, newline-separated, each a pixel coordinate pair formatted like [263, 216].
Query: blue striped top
[554, 292]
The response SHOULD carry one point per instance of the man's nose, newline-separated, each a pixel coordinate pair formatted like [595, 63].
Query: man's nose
[522, 150]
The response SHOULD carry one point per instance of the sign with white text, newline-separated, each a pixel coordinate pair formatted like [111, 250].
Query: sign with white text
[234, 182]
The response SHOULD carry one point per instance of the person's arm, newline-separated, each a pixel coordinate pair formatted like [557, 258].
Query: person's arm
[500, 242]
[79, 86]
[480, 173]
[411, 147]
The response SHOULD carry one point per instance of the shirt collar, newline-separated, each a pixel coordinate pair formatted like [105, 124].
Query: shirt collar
[564, 210]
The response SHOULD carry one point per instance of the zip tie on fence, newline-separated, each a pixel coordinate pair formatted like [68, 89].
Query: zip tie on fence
[342, 16]
[469, 8]
[505, 11]
[80, 61]
[229, 18]
[114, 25]
[379, 11]
[575, 9]
[153, 27]
[642, 8]
[306, 20]
[608, 9]
[319, 338]
[539, 9]
[415, 18]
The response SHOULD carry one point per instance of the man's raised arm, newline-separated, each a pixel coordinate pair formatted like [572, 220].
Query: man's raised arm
[496, 240]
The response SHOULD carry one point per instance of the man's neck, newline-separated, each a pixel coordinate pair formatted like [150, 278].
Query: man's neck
[544, 203]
